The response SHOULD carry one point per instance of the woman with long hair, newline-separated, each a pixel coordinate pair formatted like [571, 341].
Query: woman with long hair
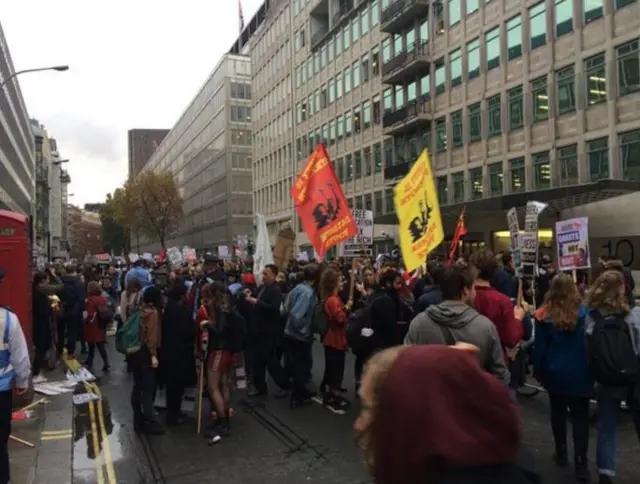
[218, 319]
[561, 366]
[145, 362]
[334, 340]
[609, 309]
[432, 432]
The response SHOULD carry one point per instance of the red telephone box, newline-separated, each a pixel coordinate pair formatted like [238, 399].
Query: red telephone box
[15, 259]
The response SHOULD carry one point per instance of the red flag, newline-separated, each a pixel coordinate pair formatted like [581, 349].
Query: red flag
[321, 205]
[460, 231]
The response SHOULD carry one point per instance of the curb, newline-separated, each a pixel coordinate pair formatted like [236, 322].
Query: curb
[55, 454]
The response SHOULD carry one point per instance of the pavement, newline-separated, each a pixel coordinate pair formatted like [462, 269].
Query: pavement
[268, 443]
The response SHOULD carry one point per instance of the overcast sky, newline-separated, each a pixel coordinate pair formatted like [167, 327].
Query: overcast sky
[133, 64]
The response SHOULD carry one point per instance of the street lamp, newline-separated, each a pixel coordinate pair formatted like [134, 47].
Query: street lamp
[24, 71]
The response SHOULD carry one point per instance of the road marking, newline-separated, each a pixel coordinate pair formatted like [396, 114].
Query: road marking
[96, 445]
[111, 473]
[57, 432]
[68, 435]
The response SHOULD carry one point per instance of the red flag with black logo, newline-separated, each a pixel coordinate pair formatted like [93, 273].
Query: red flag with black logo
[321, 205]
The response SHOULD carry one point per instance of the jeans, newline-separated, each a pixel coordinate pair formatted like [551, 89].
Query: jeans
[299, 363]
[144, 384]
[175, 392]
[607, 445]
[101, 349]
[579, 407]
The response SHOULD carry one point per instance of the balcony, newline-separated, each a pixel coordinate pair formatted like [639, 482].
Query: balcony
[401, 14]
[414, 116]
[395, 172]
[408, 65]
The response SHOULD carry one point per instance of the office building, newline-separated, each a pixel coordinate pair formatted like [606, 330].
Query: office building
[51, 194]
[209, 153]
[515, 101]
[17, 158]
[142, 143]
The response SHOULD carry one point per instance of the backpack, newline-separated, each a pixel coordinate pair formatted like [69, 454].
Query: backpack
[104, 315]
[69, 306]
[320, 322]
[128, 334]
[613, 360]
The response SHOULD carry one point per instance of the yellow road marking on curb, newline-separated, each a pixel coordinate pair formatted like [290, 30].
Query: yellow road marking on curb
[57, 437]
[111, 473]
[57, 432]
[96, 445]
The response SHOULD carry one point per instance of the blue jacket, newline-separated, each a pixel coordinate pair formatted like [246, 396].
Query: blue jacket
[139, 273]
[299, 309]
[560, 358]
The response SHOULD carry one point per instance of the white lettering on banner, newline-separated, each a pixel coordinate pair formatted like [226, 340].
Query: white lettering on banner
[530, 247]
[514, 233]
[364, 237]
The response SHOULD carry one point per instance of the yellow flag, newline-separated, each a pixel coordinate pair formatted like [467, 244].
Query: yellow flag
[416, 200]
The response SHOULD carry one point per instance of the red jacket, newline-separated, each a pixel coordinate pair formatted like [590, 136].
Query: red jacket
[498, 308]
[93, 332]
[337, 319]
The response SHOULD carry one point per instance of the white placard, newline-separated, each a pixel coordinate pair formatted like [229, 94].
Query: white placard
[363, 239]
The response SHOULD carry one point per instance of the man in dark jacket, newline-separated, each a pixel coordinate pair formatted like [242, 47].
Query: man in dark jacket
[267, 331]
[72, 302]
[431, 294]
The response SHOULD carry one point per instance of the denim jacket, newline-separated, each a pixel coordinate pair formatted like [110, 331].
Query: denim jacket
[299, 309]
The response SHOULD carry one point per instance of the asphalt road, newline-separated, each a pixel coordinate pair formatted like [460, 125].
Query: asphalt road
[270, 443]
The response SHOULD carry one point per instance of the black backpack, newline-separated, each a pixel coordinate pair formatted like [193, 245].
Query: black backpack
[359, 320]
[69, 301]
[613, 360]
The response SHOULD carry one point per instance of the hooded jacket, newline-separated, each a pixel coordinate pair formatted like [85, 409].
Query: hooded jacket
[464, 324]
[150, 329]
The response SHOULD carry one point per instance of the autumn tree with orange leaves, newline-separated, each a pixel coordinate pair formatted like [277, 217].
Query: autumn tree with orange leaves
[151, 206]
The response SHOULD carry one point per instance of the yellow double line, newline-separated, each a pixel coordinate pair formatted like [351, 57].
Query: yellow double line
[98, 429]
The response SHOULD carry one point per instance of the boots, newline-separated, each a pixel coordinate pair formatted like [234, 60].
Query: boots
[560, 457]
[581, 465]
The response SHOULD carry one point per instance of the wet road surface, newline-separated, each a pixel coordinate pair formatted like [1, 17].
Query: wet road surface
[268, 442]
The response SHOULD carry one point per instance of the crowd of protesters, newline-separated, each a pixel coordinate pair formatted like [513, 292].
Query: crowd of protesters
[463, 426]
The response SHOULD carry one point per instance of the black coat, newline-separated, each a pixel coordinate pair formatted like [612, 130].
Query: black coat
[178, 344]
[42, 318]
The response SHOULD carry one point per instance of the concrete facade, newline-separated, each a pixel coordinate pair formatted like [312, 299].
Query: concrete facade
[141, 144]
[17, 151]
[209, 153]
[508, 96]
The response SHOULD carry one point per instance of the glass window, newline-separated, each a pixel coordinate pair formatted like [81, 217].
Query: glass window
[410, 40]
[364, 68]
[630, 155]
[538, 25]
[441, 76]
[564, 17]
[348, 124]
[475, 122]
[472, 6]
[387, 100]
[477, 185]
[368, 201]
[358, 162]
[386, 50]
[349, 165]
[492, 44]
[495, 179]
[473, 58]
[357, 120]
[441, 183]
[456, 128]
[338, 86]
[411, 91]
[454, 12]
[377, 204]
[455, 61]
[494, 114]
[424, 30]
[366, 114]
[330, 50]
[596, 75]
[514, 38]
[364, 21]
[366, 160]
[332, 91]
[592, 10]
[628, 58]
[598, 155]
[340, 123]
[388, 201]
[347, 80]
[565, 90]
[540, 97]
[375, 61]
[377, 158]
[355, 30]
[425, 89]
[374, 13]
[518, 183]
[399, 97]
[516, 108]
[340, 170]
[338, 44]
[567, 162]
[441, 134]
[356, 73]
[332, 132]
[622, 3]
[346, 36]
[541, 170]
[457, 180]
